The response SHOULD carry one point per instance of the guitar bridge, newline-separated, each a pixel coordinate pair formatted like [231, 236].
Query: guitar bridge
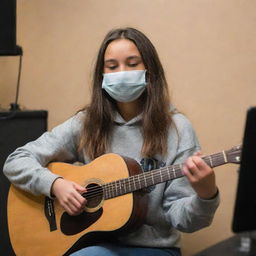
[50, 213]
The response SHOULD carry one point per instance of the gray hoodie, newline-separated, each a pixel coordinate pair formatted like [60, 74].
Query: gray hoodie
[173, 206]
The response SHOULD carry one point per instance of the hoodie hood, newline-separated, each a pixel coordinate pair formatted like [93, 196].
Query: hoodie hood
[118, 119]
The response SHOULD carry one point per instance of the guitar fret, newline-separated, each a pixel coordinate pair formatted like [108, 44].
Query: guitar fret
[161, 175]
[225, 157]
[168, 172]
[145, 180]
[174, 172]
[112, 190]
[120, 187]
[139, 183]
[116, 188]
[105, 192]
[129, 189]
[152, 177]
[109, 190]
[210, 158]
[124, 187]
[181, 167]
[134, 183]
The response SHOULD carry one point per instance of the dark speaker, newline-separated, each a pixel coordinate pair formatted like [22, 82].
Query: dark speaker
[16, 129]
[8, 28]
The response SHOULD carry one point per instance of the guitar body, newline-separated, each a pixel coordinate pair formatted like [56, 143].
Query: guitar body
[116, 203]
[40, 226]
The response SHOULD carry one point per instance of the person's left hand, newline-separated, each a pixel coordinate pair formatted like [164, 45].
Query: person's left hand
[201, 176]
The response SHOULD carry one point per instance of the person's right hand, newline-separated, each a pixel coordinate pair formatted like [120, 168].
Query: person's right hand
[68, 194]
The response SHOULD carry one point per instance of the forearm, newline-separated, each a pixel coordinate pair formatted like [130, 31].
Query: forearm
[26, 172]
[26, 166]
[192, 213]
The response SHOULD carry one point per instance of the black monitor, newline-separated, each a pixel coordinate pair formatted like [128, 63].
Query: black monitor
[244, 218]
[8, 45]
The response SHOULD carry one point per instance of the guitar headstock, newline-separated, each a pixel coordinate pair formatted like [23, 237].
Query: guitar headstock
[234, 154]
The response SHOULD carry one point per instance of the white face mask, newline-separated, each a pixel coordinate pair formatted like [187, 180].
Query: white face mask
[125, 86]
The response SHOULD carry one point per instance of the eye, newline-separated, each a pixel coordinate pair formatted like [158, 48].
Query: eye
[110, 64]
[133, 64]
[112, 67]
[133, 61]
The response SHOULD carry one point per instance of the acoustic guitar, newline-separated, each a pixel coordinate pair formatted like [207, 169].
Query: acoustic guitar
[116, 202]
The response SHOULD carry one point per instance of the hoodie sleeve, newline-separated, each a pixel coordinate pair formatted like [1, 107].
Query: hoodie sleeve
[183, 209]
[26, 166]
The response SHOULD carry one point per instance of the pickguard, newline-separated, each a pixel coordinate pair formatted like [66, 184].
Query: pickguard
[72, 225]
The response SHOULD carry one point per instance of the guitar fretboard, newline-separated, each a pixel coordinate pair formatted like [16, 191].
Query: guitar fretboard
[147, 179]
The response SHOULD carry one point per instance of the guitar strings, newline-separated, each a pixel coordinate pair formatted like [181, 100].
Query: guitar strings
[114, 186]
[132, 179]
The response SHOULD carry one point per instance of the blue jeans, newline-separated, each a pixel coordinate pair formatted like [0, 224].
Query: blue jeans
[117, 250]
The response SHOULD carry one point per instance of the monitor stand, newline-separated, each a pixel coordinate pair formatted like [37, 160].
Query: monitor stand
[248, 243]
[242, 244]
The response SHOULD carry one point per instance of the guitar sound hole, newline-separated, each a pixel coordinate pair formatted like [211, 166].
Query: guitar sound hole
[94, 195]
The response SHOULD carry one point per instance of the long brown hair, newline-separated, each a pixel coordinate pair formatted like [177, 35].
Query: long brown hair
[156, 116]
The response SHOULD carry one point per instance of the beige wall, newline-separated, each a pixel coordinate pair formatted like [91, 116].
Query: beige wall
[208, 49]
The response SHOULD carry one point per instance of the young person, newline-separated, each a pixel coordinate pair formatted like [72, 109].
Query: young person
[129, 114]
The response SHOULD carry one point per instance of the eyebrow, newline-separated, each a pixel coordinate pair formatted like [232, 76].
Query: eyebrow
[129, 58]
[109, 60]
[134, 57]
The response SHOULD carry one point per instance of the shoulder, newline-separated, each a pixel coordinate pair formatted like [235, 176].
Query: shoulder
[78, 117]
[181, 122]
[185, 131]
[72, 125]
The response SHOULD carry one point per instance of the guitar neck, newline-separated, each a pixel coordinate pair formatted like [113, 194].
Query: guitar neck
[147, 179]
